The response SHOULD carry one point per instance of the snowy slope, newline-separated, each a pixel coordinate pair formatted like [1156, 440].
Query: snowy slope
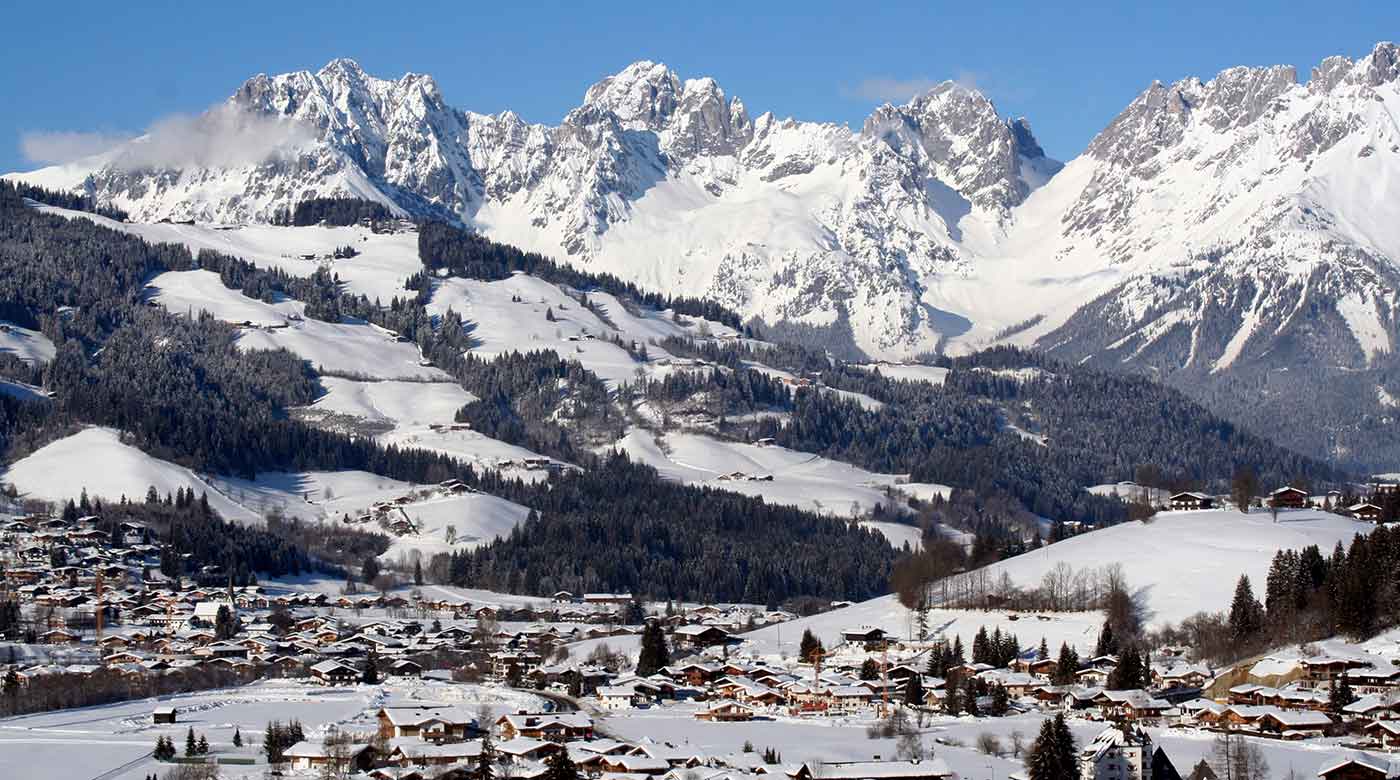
[1181, 563]
[31, 346]
[96, 460]
[316, 496]
[357, 348]
[797, 478]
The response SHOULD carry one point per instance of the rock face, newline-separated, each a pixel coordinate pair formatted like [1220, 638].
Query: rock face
[1213, 233]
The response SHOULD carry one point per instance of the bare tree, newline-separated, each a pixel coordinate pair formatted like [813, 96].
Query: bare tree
[988, 743]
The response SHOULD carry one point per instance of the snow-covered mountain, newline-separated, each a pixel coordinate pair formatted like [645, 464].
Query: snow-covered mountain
[1213, 232]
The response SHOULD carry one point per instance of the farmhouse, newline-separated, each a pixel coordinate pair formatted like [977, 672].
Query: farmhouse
[1288, 497]
[1188, 500]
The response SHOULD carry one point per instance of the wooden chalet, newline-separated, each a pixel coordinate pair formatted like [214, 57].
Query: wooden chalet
[1189, 500]
[1288, 497]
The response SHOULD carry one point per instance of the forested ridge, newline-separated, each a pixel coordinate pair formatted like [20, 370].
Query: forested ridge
[184, 392]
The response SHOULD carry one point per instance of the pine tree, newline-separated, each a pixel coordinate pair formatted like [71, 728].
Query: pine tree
[1339, 696]
[1042, 760]
[202, 747]
[1107, 644]
[914, 691]
[418, 573]
[1001, 701]
[1042, 652]
[979, 646]
[810, 647]
[870, 669]
[1067, 666]
[655, 655]
[969, 697]
[1246, 614]
[237, 737]
[560, 767]
[958, 658]
[190, 745]
[485, 761]
[1066, 752]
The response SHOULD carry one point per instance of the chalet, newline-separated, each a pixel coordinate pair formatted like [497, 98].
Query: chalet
[1384, 734]
[335, 673]
[1189, 500]
[633, 765]
[726, 712]
[1118, 751]
[552, 727]
[428, 723]
[618, 697]
[428, 754]
[525, 748]
[866, 635]
[314, 755]
[1366, 511]
[164, 715]
[925, 769]
[1359, 766]
[700, 636]
[1298, 723]
[1325, 668]
[405, 668]
[1288, 497]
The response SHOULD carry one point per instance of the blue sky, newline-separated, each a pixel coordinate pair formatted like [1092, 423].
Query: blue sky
[111, 69]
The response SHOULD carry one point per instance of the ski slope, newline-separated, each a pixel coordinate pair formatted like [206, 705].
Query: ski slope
[31, 346]
[96, 460]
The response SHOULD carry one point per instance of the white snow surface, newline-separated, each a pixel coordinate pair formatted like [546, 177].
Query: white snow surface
[1180, 563]
[96, 460]
[798, 478]
[357, 348]
[31, 346]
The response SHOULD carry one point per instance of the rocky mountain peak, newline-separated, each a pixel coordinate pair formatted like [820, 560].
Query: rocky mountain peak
[644, 94]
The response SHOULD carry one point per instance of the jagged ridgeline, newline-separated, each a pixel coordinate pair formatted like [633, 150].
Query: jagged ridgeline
[1260, 280]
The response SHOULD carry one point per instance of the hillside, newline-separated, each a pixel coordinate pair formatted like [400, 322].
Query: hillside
[1178, 564]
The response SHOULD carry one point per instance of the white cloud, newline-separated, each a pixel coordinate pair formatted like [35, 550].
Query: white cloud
[889, 90]
[222, 137]
[56, 148]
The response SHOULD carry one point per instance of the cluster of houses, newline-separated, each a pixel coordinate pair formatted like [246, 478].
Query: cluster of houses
[1371, 508]
[95, 595]
[419, 741]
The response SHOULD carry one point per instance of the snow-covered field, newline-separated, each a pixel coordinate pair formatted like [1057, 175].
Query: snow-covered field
[798, 478]
[22, 391]
[31, 346]
[512, 315]
[397, 403]
[357, 348]
[1180, 563]
[114, 741]
[96, 460]
[385, 260]
[1076, 628]
[951, 739]
[1131, 491]
[1185, 562]
[908, 372]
